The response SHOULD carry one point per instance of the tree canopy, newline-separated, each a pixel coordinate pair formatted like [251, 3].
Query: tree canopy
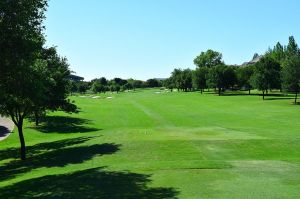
[208, 59]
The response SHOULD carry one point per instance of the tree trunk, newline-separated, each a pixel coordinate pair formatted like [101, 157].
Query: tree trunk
[219, 91]
[249, 91]
[36, 117]
[22, 141]
[296, 97]
[263, 95]
[201, 91]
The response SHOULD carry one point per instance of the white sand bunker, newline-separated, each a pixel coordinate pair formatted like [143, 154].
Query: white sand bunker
[109, 97]
[96, 97]
[83, 96]
[158, 92]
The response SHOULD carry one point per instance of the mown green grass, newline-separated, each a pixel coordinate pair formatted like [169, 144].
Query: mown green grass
[145, 144]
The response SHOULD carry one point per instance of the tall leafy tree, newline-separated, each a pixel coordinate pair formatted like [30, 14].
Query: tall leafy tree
[292, 47]
[57, 85]
[176, 77]
[291, 75]
[200, 78]
[208, 59]
[186, 77]
[244, 75]
[22, 75]
[33, 78]
[216, 77]
[266, 75]
[229, 77]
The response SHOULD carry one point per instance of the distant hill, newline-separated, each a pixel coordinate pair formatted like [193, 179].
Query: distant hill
[160, 79]
[255, 59]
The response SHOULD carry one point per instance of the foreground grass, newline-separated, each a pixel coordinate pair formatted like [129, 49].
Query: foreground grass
[159, 145]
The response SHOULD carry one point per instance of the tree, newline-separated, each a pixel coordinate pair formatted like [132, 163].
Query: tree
[266, 75]
[83, 87]
[229, 77]
[200, 78]
[291, 75]
[215, 77]
[292, 47]
[103, 81]
[97, 87]
[208, 59]
[33, 79]
[186, 77]
[169, 84]
[244, 75]
[137, 84]
[176, 77]
[21, 70]
[57, 85]
[278, 53]
[152, 83]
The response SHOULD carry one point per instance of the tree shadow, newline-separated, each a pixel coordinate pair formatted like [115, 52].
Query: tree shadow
[57, 154]
[270, 96]
[64, 124]
[4, 131]
[92, 183]
[279, 98]
[14, 153]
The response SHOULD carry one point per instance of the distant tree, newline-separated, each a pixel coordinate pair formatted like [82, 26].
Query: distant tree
[278, 53]
[216, 77]
[137, 84]
[83, 87]
[199, 77]
[266, 75]
[291, 75]
[103, 81]
[176, 78]
[244, 75]
[186, 77]
[221, 77]
[117, 88]
[152, 83]
[128, 86]
[208, 59]
[119, 81]
[169, 84]
[292, 47]
[97, 87]
[74, 87]
[229, 77]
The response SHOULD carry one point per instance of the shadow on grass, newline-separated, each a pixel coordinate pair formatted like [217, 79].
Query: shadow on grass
[92, 183]
[54, 154]
[14, 153]
[278, 98]
[63, 124]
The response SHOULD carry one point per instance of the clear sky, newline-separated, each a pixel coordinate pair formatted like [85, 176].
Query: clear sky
[144, 39]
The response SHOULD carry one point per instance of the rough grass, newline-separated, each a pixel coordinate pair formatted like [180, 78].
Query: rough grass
[169, 145]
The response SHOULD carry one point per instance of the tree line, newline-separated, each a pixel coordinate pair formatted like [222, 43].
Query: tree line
[277, 69]
[103, 85]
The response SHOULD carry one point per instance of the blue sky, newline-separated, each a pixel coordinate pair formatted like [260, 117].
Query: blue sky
[144, 39]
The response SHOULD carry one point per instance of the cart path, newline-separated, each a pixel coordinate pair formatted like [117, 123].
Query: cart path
[6, 127]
